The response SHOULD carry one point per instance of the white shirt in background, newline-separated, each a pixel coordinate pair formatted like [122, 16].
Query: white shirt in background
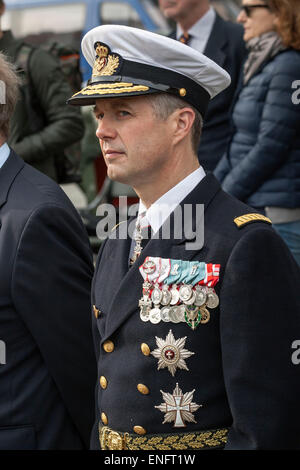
[200, 31]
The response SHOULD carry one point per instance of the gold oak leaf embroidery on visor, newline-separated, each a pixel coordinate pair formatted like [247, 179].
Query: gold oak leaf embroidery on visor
[111, 88]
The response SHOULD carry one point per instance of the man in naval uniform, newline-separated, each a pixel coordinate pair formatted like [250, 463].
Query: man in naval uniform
[193, 341]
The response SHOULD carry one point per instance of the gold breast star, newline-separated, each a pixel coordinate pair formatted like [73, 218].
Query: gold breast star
[170, 353]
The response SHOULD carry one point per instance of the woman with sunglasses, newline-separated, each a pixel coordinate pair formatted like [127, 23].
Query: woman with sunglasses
[262, 163]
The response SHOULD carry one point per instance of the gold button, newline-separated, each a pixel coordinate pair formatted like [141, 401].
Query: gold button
[145, 349]
[96, 311]
[143, 389]
[139, 430]
[104, 419]
[103, 382]
[108, 346]
[182, 91]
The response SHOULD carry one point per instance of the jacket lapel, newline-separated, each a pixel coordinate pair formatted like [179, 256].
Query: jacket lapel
[8, 172]
[217, 42]
[127, 295]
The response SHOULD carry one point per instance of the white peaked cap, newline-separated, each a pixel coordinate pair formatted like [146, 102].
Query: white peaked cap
[130, 61]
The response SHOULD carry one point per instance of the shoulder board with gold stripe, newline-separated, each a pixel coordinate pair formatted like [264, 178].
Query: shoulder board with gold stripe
[250, 218]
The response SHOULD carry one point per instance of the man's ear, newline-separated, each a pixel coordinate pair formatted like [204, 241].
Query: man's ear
[185, 118]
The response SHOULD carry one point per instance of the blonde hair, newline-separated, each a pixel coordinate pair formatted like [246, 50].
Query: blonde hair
[288, 26]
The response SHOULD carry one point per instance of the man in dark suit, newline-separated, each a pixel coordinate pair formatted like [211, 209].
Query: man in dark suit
[193, 336]
[199, 26]
[48, 376]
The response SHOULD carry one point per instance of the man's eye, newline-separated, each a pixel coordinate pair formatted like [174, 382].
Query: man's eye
[123, 113]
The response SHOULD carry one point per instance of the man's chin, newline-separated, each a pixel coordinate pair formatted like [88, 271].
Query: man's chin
[116, 175]
[169, 11]
[170, 14]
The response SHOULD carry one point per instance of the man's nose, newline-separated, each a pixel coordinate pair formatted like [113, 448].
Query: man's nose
[105, 130]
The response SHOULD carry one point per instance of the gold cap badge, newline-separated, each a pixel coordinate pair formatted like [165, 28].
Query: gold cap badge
[106, 64]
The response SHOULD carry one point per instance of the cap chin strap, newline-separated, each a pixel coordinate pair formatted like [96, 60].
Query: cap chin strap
[121, 78]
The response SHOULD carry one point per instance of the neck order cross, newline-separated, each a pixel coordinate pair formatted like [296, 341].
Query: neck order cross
[142, 233]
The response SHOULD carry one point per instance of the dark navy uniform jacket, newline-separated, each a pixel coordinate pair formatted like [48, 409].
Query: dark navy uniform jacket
[242, 370]
[47, 383]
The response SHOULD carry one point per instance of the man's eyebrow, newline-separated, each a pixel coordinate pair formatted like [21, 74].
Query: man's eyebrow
[118, 102]
[125, 102]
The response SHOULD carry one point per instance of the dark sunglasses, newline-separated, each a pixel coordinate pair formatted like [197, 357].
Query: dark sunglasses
[248, 8]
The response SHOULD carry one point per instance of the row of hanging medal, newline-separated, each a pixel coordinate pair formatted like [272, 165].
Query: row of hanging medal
[178, 291]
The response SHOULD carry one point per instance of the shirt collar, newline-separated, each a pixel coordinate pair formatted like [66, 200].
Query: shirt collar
[202, 27]
[4, 153]
[161, 209]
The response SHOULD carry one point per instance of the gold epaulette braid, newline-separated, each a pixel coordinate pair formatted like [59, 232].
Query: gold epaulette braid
[250, 218]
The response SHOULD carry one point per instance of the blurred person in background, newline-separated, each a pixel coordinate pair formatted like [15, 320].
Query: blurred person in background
[42, 126]
[47, 383]
[199, 26]
[262, 164]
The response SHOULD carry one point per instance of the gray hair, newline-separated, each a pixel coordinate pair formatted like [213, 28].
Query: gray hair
[164, 104]
[9, 93]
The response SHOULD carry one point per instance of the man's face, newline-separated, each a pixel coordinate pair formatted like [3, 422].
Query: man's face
[136, 145]
[177, 9]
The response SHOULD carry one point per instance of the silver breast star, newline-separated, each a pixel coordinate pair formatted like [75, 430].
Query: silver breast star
[170, 353]
[178, 407]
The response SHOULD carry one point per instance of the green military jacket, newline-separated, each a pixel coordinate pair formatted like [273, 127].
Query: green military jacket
[63, 125]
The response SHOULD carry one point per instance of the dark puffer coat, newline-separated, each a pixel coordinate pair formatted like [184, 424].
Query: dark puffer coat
[262, 165]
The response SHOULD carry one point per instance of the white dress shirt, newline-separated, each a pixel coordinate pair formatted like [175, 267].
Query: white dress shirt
[200, 31]
[4, 154]
[161, 209]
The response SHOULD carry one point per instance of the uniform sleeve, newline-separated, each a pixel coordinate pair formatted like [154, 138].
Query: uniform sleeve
[64, 124]
[260, 319]
[51, 292]
[277, 132]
